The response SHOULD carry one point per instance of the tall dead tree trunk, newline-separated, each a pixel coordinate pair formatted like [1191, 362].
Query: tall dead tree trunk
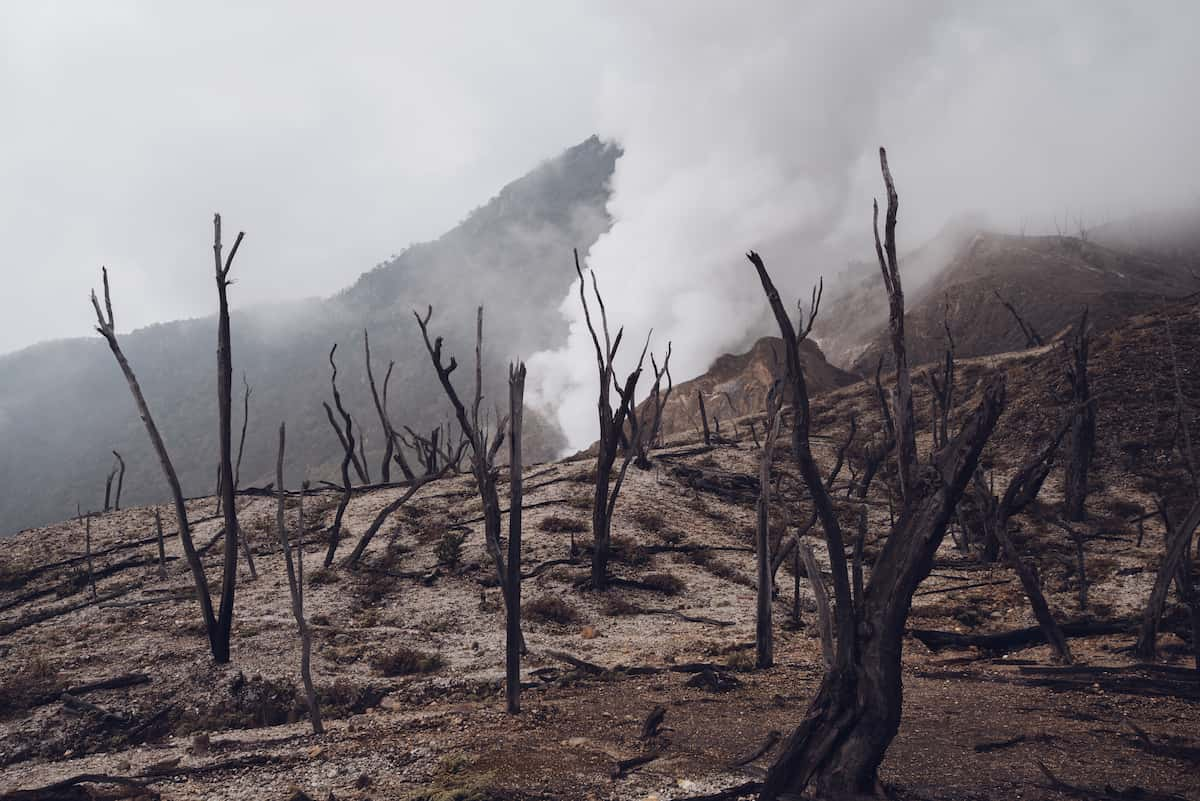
[218, 640]
[225, 433]
[1032, 338]
[295, 577]
[483, 447]
[512, 639]
[237, 467]
[87, 540]
[763, 639]
[612, 426]
[346, 437]
[856, 712]
[162, 550]
[1083, 427]
[120, 481]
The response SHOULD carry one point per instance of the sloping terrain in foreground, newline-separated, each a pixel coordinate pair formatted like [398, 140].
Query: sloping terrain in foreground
[673, 632]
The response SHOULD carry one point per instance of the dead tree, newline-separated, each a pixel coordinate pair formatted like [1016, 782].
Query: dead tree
[764, 646]
[1022, 490]
[243, 539]
[225, 431]
[345, 433]
[824, 617]
[392, 447]
[218, 637]
[644, 438]
[1032, 338]
[295, 577]
[612, 426]
[1083, 427]
[237, 468]
[483, 446]
[704, 418]
[512, 639]
[856, 712]
[87, 540]
[108, 480]
[120, 481]
[162, 550]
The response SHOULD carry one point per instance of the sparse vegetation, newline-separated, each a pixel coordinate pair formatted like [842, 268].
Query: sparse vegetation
[666, 583]
[449, 548]
[405, 661]
[549, 609]
[560, 524]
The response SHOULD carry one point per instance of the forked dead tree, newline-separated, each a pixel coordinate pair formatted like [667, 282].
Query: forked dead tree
[345, 432]
[393, 448]
[763, 633]
[612, 426]
[295, 577]
[644, 434]
[856, 712]
[225, 430]
[512, 632]
[1023, 488]
[483, 446]
[217, 628]
[1083, 426]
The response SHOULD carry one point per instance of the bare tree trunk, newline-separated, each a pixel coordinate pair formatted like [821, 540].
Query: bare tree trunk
[1037, 600]
[162, 551]
[1177, 545]
[1083, 428]
[120, 481]
[513, 641]
[108, 488]
[704, 418]
[225, 435]
[824, 616]
[612, 427]
[87, 539]
[296, 589]
[1032, 338]
[856, 713]
[347, 439]
[764, 646]
[237, 470]
[106, 327]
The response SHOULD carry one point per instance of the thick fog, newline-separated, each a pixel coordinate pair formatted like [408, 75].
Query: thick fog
[336, 137]
[760, 130]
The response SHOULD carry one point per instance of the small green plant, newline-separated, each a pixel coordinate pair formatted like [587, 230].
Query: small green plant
[449, 548]
[549, 609]
[405, 661]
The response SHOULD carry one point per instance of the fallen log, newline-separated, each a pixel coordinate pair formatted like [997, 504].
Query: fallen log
[1005, 641]
[79, 705]
[33, 618]
[773, 738]
[60, 790]
[625, 765]
[113, 683]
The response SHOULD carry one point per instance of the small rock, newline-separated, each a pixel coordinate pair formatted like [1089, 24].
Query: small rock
[316, 752]
[588, 633]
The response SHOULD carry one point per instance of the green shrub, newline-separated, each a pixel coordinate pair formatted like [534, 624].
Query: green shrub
[449, 548]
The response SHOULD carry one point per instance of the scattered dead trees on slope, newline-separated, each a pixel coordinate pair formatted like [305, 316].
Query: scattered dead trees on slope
[218, 627]
[643, 433]
[856, 712]
[393, 447]
[612, 428]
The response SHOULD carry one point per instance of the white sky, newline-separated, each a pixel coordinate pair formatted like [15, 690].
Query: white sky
[336, 135]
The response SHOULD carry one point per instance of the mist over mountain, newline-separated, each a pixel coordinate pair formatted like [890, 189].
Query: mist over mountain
[64, 405]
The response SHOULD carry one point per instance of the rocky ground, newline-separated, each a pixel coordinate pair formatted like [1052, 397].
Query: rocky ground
[408, 650]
